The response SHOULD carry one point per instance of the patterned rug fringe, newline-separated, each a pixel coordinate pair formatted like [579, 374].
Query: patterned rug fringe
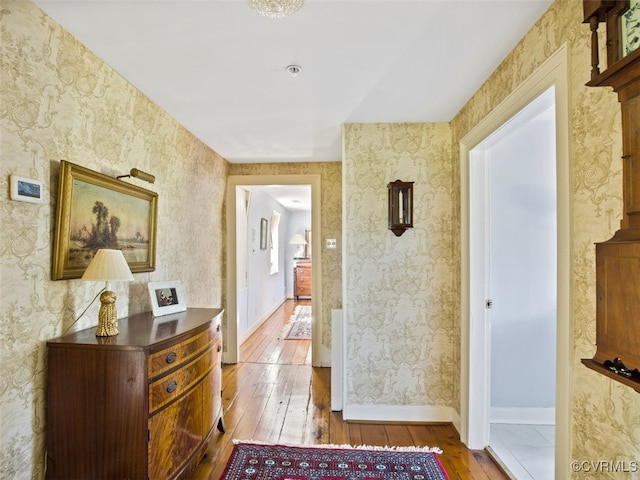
[345, 446]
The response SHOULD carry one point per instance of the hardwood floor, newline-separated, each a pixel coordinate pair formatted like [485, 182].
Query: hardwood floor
[275, 396]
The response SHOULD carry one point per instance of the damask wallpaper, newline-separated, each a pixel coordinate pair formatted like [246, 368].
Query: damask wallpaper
[58, 101]
[605, 422]
[398, 303]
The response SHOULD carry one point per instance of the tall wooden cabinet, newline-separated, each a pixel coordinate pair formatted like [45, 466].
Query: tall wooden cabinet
[140, 405]
[618, 259]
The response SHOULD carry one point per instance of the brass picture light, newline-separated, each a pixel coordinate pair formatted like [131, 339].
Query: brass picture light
[134, 172]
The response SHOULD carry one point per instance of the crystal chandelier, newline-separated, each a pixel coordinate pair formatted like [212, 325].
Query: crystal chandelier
[275, 8]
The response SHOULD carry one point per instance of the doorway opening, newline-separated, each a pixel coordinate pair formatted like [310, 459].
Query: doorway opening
[237, 286]
[481, 365]
[513, 216]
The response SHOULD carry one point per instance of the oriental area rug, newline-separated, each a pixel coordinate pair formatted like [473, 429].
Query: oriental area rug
[253, 461]
[299, 327]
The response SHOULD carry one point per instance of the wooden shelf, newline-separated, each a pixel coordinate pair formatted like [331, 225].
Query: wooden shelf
[598, 367]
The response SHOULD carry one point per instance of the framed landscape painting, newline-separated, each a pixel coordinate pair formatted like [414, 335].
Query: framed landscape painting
[97, 211]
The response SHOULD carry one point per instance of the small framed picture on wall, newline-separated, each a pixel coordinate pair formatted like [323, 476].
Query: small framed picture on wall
[26, 189]
[264, 225]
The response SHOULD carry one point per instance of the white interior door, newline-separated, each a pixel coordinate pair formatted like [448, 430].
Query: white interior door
[513, 270]
[243, 199]
[475, 329]
[522, 273]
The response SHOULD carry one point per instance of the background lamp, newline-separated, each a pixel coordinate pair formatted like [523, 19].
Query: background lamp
[106, 266]
[299, 240]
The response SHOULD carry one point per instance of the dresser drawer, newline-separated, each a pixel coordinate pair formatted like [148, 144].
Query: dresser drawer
[175, 434]
[174, 384]
[173, 356]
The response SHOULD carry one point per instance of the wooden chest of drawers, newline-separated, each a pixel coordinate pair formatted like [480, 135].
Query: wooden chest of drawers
[140, 405]
[302, 279]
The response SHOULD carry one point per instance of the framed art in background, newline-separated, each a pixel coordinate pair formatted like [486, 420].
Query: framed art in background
[264, 223]
[97, 211]
[166, 297]
[25, 189]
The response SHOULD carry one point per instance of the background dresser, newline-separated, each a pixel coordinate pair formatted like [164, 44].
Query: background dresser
[139, 405]
[302, 279]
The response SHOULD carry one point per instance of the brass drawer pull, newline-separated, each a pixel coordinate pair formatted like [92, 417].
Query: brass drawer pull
[172, 386]
[171, 357]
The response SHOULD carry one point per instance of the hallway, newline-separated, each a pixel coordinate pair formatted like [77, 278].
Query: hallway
[275, 396]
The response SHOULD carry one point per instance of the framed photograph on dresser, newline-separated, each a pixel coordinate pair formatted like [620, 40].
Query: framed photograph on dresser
[166, 298]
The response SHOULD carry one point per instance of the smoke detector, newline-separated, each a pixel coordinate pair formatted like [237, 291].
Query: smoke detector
[294, 70]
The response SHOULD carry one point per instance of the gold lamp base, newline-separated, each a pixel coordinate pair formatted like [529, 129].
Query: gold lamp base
[107, 316]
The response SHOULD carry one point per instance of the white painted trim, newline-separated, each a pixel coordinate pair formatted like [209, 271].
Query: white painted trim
[554, 71]
[258, 323]
[400, 413]
[523, 415]
[344, 258]
[564, 365]
[337, 357]
[231, 353]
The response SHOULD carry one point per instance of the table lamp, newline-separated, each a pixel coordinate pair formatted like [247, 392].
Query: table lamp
[106, 266]
[299, 240]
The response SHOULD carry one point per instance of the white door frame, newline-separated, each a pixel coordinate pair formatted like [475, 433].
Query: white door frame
[231, 353]
[474, 408]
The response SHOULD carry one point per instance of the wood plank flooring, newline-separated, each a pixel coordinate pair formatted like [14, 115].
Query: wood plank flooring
[274, 395]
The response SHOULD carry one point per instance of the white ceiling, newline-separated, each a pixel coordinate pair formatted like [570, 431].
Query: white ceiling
[219, 68]
[296, 198]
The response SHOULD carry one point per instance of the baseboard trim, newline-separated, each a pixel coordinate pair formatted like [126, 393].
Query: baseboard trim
[258, 323]
[401, 414]
[523, 415]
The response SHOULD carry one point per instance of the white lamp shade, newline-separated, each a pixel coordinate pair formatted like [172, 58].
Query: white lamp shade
[108, 265]
[297, 239]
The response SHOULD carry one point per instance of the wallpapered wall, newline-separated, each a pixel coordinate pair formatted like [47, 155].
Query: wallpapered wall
[605, 414]
[401, 344]
[330, 224]
[59, 101]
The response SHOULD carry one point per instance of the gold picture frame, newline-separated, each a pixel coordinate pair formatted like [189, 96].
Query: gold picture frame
[97, 211]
